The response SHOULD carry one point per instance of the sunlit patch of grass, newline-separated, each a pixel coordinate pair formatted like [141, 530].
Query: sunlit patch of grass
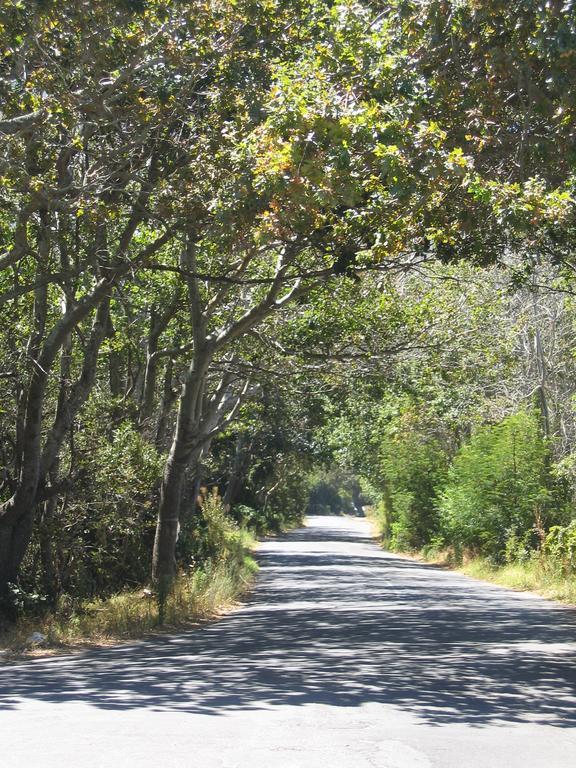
[538, 574]
[535, 575]
[197, 597]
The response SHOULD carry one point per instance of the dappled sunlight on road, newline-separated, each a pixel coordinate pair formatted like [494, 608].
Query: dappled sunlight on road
[337, 622]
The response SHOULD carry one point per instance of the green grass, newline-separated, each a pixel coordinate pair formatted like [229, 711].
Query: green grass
[196, 597]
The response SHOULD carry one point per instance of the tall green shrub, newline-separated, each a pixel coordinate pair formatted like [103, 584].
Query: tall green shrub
[499, 487]
[413, 466]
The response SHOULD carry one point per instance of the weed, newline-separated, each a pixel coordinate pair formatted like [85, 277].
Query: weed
[197, 596]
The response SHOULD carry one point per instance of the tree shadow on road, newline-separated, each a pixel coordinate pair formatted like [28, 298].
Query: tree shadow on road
[342, 630]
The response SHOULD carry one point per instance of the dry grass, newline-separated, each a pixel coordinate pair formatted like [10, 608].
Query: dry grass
[533, 576]
[199, 597]
[539, 574]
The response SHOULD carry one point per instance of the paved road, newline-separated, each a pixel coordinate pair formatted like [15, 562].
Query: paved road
[344, 657]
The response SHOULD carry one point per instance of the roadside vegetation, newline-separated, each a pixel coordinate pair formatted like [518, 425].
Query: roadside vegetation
[199, 594]
[540, 575]
[497, 505]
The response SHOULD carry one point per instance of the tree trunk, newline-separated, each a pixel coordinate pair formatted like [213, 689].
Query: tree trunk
[168, 524]
[158, 324]
[149, 386]
[46, 531]
[236, 473]
[16, 520]
[15, 536]
[185, 442]
[168, 398]
[356, 498]
[17, 514]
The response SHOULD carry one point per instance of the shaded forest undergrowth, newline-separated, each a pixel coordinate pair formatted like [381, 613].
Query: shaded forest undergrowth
[196, 597]
[203, 596]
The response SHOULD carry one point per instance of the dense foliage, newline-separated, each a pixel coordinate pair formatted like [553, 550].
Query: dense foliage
[470, 448]
[242, 241]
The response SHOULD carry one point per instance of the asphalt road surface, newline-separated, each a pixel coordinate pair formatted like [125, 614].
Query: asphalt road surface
[343, 657]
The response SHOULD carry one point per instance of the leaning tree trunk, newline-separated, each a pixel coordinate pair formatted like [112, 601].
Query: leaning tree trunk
[187, 435]
[70, 401]
[17, 514]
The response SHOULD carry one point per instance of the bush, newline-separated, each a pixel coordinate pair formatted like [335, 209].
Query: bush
[559, 548]
[413, 467]
[101, 532]
[499, 487]
[247, 517]
[222, 538]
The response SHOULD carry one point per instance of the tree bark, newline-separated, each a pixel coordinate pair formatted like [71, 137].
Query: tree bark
[185, 442]
[158, 324]
[46, 531]
[191, 432]
[168, 398]
[236, 473]
[14, 539]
